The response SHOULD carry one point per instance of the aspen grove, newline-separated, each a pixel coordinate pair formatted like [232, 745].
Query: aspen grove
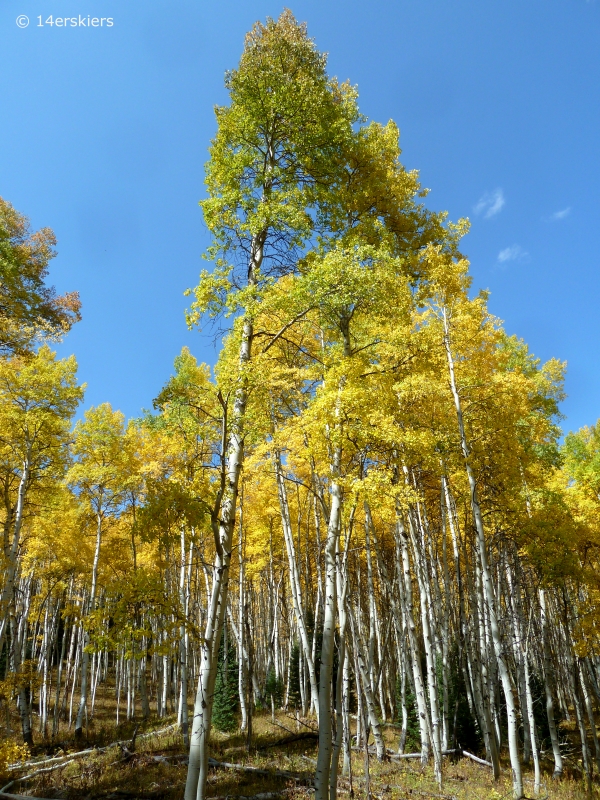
[364, 514]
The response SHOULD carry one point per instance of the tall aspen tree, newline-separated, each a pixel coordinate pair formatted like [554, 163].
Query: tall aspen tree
[271, 162]
[97, 477]
[488, 586]
[30, 310]
[38, 396]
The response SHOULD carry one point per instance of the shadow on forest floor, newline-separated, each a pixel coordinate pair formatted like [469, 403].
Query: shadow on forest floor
[156, 768]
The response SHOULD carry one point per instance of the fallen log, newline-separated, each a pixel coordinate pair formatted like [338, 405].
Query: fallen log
[399, 756]
[259, 796]
[406, 789]
[54, 767]
[25, 764]
[301, 722]
[277, 773]
[476, 758]
[89, 751]
[20, 796]
[295, 737]
[41, 772]
[162, 759]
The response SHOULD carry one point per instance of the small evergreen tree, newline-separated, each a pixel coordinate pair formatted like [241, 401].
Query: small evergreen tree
[274, 688]
[413, 733]
[294, 698]
[225, 702]
[464, 730]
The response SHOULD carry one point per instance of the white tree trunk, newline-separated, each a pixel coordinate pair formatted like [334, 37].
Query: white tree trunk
[11, 553]
[487, 583]
[422, 582]
[295, 579]
[369, 700]
[341, 725]
[85, 658]
[331, 546]
[197, 774]
[183, 643]
[405, 583]
[534, 747]
[547, 672]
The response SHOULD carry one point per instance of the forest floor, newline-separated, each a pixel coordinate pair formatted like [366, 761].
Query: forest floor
[153, 767]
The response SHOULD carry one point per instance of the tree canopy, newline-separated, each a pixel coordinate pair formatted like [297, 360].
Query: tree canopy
[29, 308]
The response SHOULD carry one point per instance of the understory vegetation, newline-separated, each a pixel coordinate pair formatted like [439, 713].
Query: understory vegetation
[146, 761]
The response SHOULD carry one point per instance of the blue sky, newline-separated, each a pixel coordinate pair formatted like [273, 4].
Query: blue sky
[104, 134]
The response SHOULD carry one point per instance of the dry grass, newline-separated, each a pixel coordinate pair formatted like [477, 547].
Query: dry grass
[157, 769]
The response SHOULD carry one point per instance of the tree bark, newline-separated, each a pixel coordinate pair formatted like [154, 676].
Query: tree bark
[331, 546]
[547, 673]
[487, 581]
[223, 526]
[295, 579]
[85, 657]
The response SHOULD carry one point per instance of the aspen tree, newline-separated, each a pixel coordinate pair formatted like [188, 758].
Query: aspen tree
[270, 158]
[187, 422]
[487, 579]
[344, 287]
[30, 310]
[96, 476]
[38, 396]
[294, 579]
[547, 672]
[446, 310]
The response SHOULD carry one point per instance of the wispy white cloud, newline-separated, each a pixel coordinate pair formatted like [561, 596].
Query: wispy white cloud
[490, 204]
[513, 253]
[561, 214]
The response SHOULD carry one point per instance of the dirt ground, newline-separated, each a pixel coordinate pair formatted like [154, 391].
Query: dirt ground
[154, 766]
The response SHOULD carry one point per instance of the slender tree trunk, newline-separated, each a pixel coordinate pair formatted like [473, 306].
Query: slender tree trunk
[331, 545]
[487, 582]
[223, 522]
[233, 449]
[587, 700]
[183, 643]
[295, 579]
[56, 715]
[405, 583]
[547, 672]
[531, 719]
[143, 684]
[250, 697]
[445, 631]
[24, 683]
[240, 638]
[11, 552]
[340, 726]
[422, 581]
[85, 658]
[571, 671]
[368, 699]
[347, 735]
